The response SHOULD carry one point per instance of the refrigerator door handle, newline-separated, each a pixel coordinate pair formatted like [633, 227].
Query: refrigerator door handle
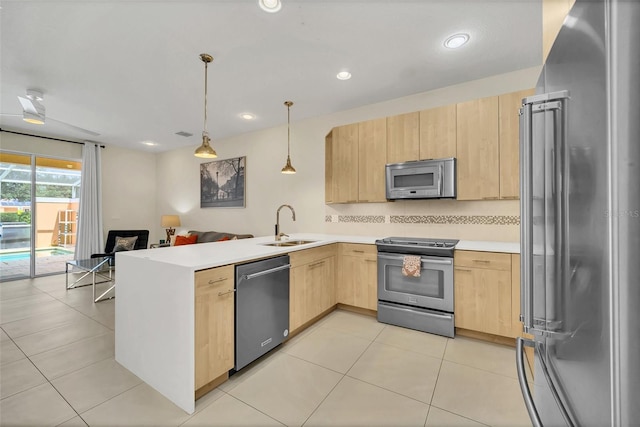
[524, 384]
[526, 215]
[554, 102]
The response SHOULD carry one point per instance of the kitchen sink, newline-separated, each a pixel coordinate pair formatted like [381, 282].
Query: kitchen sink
[289, 243]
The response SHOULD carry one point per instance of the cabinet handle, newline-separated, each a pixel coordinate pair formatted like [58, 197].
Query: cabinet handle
[230, 291]
[371, 260]
[490, 198]
[463, 269]
[316, 264]
[510, 197]
[352, 201]
[211, 282]
[484, 261]
[357, 251]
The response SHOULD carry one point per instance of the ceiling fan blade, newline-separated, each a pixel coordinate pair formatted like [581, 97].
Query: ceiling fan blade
[89, 132]
[28, 106]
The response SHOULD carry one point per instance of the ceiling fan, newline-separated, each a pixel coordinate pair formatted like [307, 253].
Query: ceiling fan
[34, 112]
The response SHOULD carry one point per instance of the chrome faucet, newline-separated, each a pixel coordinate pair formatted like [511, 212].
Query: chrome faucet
[278, 233]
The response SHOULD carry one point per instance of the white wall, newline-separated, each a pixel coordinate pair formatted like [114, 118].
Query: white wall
[266, 188]
[40, 146]
[129, 191]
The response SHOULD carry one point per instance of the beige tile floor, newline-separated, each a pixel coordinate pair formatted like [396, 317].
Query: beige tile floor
[58, 368]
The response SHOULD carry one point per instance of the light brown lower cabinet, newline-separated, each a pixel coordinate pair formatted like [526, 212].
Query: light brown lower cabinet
[214, 324]
[357, 278]
[311, 285]
[482, 292]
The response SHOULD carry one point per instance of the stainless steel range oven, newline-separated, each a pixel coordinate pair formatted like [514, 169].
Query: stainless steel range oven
[424, 300]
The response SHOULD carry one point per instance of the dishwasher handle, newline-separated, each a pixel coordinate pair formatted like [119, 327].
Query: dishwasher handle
[265, 272]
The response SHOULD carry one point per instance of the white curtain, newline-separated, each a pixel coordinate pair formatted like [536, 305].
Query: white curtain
[89, 239]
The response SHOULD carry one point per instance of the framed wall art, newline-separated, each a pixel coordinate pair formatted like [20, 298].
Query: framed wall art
[222, 183]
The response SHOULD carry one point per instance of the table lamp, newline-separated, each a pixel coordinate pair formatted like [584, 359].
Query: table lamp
[170, 221]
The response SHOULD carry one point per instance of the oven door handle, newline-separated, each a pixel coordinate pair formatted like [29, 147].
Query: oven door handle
[445, 261]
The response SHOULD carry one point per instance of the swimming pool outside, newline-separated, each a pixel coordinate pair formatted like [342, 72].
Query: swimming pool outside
[24, 254]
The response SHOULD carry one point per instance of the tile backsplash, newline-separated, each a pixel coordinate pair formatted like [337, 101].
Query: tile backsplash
[466, 220]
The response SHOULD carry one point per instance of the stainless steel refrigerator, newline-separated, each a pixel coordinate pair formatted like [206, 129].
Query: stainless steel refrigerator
[580, 216]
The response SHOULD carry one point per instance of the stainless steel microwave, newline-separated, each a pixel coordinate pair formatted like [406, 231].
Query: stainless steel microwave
[422, 179]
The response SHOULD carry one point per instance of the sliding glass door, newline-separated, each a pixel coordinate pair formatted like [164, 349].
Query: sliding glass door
[15, 216]
[39, 205]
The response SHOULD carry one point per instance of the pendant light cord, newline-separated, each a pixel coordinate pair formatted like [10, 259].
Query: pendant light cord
[288, 130]
[205, 97]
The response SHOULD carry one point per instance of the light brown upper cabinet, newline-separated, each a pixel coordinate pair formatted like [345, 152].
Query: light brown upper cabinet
[478, 150]
[509, 105]
[438, 132]
[345, 164]
[403, 137]
[372, 156]
[328, 168]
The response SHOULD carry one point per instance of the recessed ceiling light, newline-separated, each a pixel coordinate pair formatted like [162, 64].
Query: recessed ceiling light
[343, 75]
[247, 116]
[456, 40]
[270, 6]
[150, 143]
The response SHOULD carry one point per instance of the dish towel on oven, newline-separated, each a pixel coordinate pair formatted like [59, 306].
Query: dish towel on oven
[411, 266]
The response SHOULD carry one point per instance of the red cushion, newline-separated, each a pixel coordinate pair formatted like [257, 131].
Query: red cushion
[223, 239]
[182, 240]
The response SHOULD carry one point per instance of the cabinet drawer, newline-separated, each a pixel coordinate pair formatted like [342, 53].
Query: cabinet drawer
[490, 260]
[214, 279]
[356, 249]
[306, 256]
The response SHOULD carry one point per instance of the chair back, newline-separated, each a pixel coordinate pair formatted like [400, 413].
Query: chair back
[141, 242]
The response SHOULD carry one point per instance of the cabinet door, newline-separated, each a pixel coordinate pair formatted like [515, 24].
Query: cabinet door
[297, 297]
[483, 300]
[370, 281]
[403, 137]
[357, 283]
[320, 295]
[478, 149]
[345, 164]
[346, 283]
[372, 156]
[214, 324]
[438, 132]
[509, 105]
[328, 168]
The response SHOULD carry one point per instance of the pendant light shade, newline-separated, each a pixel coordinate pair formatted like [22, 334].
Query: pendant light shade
[288, 169]
[205, 150]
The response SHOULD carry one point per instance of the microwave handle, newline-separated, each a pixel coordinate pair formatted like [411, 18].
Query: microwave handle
[440, 181]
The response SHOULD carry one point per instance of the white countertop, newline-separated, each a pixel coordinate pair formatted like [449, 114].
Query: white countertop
[207, 255]
[483, 246]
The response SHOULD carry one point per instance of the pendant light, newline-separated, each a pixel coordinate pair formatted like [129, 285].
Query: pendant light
[205, 150]
[288, 169]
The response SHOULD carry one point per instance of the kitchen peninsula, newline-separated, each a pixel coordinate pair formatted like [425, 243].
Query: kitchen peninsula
[156, 303]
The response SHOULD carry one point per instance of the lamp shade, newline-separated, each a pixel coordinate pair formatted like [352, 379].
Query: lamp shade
[170, 221]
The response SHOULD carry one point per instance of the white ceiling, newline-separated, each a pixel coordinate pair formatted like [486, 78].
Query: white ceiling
[130, 70]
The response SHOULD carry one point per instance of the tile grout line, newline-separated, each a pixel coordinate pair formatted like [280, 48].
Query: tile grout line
[47, 381]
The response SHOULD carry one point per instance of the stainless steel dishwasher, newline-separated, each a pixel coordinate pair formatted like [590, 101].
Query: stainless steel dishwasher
[262, 308]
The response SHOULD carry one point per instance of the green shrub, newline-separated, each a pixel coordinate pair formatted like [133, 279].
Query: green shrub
[9, 217]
